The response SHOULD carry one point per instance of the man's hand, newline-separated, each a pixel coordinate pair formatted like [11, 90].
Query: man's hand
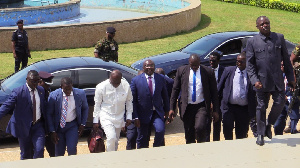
[258, 85]
[215, 116]
[96, 127]
[54, 137]
[137, 123]
[128, 122]
[80, 130]
[292, 85]
[171, 116]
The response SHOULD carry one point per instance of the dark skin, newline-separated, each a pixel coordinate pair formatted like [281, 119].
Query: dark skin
[109, 36]
[194, 62]
[241, 62]
[263, 25]
[148, 68]
[213, 61]
[115, 81]
[33, 80]
[67, 89]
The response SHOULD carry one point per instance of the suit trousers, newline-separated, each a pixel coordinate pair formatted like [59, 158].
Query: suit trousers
[33, 143]
[262, 104]
[195, 121]
[131, 136]
[112, 137]
[144, 132]
[68, 138]
[216, 128]
[236, 117]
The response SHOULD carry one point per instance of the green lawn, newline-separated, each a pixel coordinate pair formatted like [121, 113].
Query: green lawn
[216, 17]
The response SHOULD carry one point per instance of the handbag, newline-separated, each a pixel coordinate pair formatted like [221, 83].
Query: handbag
[95, 141]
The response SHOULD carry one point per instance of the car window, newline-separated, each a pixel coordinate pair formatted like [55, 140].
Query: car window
[57, 78]
[231, 47]
[89, 78]
[202, 46]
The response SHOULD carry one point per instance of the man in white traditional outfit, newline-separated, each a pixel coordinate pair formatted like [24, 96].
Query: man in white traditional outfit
[112, 96]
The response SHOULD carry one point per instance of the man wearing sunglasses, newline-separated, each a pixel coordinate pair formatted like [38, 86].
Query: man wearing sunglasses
[107, 48]
[237, 99]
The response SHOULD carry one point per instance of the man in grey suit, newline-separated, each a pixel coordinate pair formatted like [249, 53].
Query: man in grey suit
[265, 52]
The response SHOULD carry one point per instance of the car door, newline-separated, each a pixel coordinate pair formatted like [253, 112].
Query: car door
[88, 79]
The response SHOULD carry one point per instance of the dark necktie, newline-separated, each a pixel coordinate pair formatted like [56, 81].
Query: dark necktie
[194, 87]
[150, 85]
[33, 107]
[242, 85]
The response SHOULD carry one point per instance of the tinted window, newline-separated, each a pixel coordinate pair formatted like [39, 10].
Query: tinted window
[231, 47]
[57, 78]
[202, 46]
[89, 78]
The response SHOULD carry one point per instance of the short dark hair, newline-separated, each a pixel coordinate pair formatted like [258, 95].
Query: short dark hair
[32, 73]
[66, 81]
[260, 17]
[216, 54]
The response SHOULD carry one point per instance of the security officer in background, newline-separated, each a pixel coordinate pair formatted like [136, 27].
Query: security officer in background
[107, 48]
[20, 46]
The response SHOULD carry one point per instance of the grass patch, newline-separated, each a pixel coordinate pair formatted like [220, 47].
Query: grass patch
[216, 17]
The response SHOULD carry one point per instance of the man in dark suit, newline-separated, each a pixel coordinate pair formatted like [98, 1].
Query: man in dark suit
[198, 88]
[265, 52]
[214, 60]
[150, 105]
[237, 99]
[45, 82]
[27, 122]
[67, 114]
[169, 81]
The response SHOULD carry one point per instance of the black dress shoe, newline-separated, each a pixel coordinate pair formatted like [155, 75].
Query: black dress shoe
[268, 131]
[260, 140]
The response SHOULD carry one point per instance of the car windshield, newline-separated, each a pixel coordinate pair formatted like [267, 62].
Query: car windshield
[202, 46]
[16, 80]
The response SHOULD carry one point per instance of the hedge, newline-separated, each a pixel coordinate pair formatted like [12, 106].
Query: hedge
[271, 4]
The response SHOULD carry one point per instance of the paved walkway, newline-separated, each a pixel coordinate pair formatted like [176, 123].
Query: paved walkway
[281, 151]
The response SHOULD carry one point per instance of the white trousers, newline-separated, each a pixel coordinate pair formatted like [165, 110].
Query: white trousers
[112, 137]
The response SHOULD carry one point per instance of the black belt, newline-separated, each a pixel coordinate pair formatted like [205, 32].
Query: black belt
[201, 104]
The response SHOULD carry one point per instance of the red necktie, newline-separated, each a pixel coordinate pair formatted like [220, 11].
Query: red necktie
[150, 85]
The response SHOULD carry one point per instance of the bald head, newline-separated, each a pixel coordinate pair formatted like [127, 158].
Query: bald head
[160, 71]
[115, 78]
[194, 62]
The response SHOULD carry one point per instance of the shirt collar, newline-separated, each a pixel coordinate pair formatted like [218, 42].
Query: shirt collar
[65, 94]
[152, 76]
[216, 69]
[29, 87]
[264, 37]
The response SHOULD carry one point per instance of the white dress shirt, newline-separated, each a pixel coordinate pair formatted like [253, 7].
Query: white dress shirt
[71, 113]
[216, 70]
[199, 88]
[37, 101]
[235, 96]
[110, 103]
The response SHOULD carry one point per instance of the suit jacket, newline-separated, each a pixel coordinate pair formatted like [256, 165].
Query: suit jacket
[20, 102]
[55, 108]
[169, 84]
[264, 61]
[143, 102]
[220, 72]
[181, 83]
[225, 87]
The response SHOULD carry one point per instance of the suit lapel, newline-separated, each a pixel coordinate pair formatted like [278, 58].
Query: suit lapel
[145, 83]
[185, 79]
[27, 93]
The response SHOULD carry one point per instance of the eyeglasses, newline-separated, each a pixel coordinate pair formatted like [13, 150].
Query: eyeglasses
[239, 61]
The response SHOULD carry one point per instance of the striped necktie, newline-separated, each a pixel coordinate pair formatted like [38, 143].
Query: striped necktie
[64, 112]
